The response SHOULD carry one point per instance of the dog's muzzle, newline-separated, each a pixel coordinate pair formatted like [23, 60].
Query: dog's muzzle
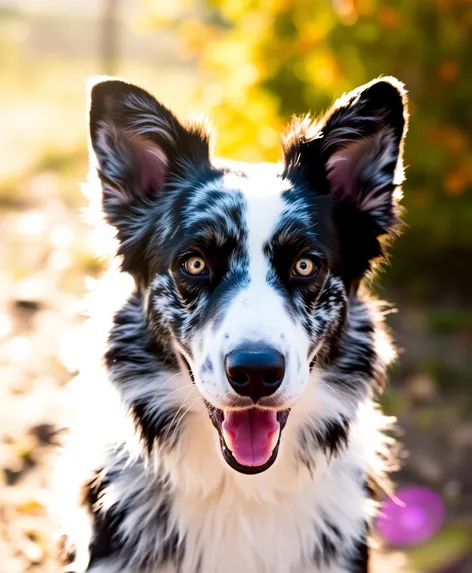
[250, 437]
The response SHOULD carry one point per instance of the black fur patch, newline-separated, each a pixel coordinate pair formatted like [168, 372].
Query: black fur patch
[132, 356]
[359, 561]
[107, 538]
[105, 541]
[330, 546]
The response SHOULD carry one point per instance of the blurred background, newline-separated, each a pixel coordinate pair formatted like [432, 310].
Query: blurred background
[250, 64]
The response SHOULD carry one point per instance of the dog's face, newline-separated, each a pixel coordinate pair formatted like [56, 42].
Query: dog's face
[247, 269]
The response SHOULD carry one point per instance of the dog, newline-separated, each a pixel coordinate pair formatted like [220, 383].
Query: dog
[243, 365]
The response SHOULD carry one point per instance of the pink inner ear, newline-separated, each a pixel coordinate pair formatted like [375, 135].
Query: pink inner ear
[152, 163]
[345, 165]
[356, 171]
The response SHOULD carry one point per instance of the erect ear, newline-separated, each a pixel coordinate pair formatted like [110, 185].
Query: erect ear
[139, 146]
[355, 153]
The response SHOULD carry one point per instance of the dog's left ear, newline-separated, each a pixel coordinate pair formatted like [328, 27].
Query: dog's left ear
[355, 153]
[359, 145]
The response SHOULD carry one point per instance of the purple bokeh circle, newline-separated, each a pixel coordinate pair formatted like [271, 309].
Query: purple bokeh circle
[414, 515]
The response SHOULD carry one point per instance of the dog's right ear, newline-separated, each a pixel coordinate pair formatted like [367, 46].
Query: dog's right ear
[139, 145]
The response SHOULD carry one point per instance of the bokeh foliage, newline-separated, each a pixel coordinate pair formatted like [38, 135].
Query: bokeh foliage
[261, 61]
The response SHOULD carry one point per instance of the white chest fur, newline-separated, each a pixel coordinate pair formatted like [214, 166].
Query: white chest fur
[232, 532]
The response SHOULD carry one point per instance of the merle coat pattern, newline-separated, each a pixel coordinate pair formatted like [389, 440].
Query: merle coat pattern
[224, 255]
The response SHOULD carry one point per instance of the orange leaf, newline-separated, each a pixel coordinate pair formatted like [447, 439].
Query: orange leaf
[389, 18]
[457, 181]
[448, 70]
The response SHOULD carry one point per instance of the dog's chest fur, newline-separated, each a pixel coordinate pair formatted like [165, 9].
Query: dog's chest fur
[278, 528]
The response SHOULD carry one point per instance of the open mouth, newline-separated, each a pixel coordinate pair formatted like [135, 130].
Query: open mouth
[249, 438]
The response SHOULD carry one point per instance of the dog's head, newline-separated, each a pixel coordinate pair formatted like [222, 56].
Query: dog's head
[247, 269]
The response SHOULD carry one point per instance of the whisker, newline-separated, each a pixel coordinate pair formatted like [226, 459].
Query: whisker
[183, 416]
[178, 411]
[329, 386]
[170, 378]
[178, 390]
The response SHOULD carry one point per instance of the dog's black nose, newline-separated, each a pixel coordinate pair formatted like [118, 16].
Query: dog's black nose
[255, 372]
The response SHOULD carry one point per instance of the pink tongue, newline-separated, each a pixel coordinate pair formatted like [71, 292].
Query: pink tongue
[251, 435]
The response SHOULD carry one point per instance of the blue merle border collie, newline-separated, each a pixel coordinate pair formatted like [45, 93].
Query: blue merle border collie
[243, 364]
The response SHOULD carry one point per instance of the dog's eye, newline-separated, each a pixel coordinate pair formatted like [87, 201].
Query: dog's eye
[305, 267]
[195, 266]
